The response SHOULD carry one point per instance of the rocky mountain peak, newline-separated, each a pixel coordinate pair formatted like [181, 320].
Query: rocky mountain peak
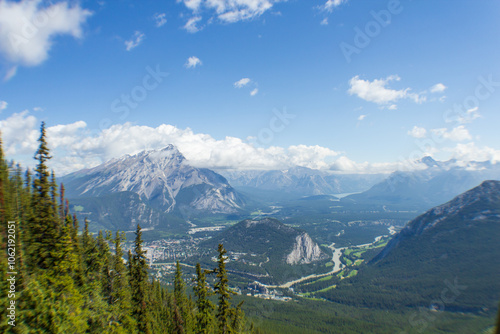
[429, 161]
[158, 177]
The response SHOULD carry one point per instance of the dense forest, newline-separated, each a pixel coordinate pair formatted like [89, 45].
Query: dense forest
[56, 277]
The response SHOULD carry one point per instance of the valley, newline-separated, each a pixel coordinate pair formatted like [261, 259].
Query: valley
[286, 246]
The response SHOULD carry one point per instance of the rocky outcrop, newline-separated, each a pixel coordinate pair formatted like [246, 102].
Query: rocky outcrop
[305, 250]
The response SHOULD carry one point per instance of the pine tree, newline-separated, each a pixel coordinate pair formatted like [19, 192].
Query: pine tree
[139, 284]
[222, 289]
[178, 327]
[204, 317]
[238, 319]
[183, 304]
[42, 227]
[52, 257]
[120, 297]
[179, 286]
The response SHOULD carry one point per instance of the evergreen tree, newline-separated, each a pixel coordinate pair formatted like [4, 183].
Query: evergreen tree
[238, 319]
[183, 304]
[52, 257]
[178, 327]
[42, 227]
[204, 317]
[221, 288]
[120, 297]
[139, 284]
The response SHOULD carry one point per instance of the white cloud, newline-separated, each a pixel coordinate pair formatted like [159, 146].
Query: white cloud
[191, 24]
[192, 62]
[230, 11]
[438, 88]
[64, 135]
[392, 107]
[417, 132]
[332, 4]
[254, 92]
[242, 82]
[194, 5]
[324, 22]
[19, 133]
[459, 133]
[3, 105]
[470, 152]
[361, 117]
[134, 41]
[376, 91]
[160, 19]
[75, 147]
[469, 115]
[28, 27]
[310, 156]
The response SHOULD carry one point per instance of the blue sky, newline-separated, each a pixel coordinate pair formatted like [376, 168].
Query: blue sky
[345, 85]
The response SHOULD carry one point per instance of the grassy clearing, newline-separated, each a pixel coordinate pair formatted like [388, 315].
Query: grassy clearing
[348, 251]
[359, 254]
[352, 273]
[326, 289]
[326, 278]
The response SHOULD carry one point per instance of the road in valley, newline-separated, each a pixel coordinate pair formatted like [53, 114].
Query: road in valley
[337, 266]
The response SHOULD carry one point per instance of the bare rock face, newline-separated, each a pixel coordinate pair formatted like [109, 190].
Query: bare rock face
[163, 179]
[304, 251]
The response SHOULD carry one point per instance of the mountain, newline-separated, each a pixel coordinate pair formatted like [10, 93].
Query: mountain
[466, 211]
[447, 258]
[435, 183]
[162, 179]
[123, 211]
[300, 181]
[282, 247]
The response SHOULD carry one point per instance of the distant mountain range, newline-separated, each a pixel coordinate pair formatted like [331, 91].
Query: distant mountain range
[169, 190]
[447, 258]
[162, 180]
[422, 189]
[301, 181]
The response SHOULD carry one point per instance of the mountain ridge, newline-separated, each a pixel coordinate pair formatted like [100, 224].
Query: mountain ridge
[425, 188]
[488, 191]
